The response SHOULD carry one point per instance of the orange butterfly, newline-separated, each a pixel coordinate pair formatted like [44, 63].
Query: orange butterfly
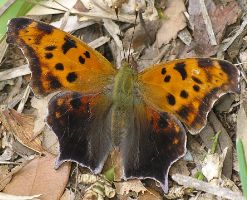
[100, 108]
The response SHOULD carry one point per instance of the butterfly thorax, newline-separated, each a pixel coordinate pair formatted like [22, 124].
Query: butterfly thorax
[122, 101]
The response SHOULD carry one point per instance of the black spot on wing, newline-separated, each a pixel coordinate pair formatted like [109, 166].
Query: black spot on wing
[171, 99]
[205, 62]
[184, 94]
[87, 54]
[163, 71]
[81, 60]
[68, 44]
[167, 78]
[197, 80]
[71, 77]
[76, 103]
[50, 48]
[162, 123]
[180, 67]
[48, 55]
[59, 66]
[196, 88]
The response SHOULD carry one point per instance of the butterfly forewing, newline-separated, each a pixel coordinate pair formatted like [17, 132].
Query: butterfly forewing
[188, 87]
[58, 60]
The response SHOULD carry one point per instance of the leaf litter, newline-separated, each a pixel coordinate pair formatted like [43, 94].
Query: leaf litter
[166, 30]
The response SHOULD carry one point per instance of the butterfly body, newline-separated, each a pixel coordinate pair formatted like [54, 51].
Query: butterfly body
[123, 101]
[100, 108]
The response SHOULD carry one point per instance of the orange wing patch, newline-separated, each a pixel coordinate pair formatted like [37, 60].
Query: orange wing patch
[188, 87]
[58, 60]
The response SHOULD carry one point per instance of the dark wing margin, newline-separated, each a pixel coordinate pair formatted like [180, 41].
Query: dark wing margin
[82, 125]
[155, 141]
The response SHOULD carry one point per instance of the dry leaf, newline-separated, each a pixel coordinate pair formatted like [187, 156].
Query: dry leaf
[6, 175]
[213, 126]
[21, 125]
[150, 194]
[173, 23]
[134, 185]
[51, 7]
[220, 17]
[40, 177]
[4, 196]
[212, 167]
[179, 167]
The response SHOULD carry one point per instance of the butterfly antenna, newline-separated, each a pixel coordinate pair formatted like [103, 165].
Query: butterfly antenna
[132, 37]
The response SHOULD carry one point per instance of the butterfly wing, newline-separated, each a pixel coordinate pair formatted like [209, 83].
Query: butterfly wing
[155, 141]
[82, 124]
[188, 88]
[58, 60]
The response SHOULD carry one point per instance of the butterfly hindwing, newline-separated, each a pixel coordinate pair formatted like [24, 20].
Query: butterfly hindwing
[82, 124]
[155, 141]
[58, 60]
[188, 87]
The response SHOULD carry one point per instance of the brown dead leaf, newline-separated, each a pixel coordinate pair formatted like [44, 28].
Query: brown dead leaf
[221, 16]
[150, 194]
[5, 196]
[21, 125]
[6, 174]
[134, 185]
[40, 177]
[173, 23]
[140, 36]
[179, 167]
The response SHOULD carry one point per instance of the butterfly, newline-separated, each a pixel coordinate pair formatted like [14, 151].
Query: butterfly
[100, 108]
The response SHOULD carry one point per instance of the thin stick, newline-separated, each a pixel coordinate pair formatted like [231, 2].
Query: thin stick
[24, 99]
[206, 187]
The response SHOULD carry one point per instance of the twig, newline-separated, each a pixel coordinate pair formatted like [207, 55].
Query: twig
[99, 42]
[208, 23]
[100, 15]
[24, 99]
[15, 72]
[206, 187]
